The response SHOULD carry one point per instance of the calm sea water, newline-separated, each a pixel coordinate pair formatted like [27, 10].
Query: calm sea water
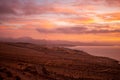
[106, 51]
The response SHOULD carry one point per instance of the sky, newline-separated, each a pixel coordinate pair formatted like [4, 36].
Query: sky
[71, 20]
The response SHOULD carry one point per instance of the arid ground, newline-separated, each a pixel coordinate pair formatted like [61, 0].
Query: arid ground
[26, 61]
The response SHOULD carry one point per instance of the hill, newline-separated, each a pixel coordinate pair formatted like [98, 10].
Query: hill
[26, 61]
[55, 42]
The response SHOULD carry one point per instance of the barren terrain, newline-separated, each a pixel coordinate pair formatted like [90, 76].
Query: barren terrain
[26, 61]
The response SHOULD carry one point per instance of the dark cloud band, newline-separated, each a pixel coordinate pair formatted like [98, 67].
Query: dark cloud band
[75, 30]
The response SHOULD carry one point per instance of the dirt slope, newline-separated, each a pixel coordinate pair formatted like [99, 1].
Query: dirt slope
[25, 61]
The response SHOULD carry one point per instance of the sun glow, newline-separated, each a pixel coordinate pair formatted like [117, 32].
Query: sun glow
[63, 24]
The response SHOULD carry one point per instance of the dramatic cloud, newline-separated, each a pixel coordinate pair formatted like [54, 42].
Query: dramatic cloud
[76, 30]
[111, 16]
[39, 7]
[68, 17]
[28, 7]
[9, 7]
[113, 2]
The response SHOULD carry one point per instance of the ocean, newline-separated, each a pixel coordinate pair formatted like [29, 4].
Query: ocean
[105, 51]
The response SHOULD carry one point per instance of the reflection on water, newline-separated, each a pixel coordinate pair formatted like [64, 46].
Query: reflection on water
[106, 51]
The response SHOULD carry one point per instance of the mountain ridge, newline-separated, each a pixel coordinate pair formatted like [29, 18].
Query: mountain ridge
[54, 42]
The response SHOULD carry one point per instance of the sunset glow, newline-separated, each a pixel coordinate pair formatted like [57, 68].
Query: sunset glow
[71, 20]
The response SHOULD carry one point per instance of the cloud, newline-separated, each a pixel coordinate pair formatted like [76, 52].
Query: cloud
[80, 20]
[39, 7]
[6, 10]
[87, 6]
[20, 7]
[113, 2]
[103, 31]
[101, 2]
[114, 16]
[62, 30]
[28, 7]
[28, 11]
[9, 7]
[0, 23]
[76, 30]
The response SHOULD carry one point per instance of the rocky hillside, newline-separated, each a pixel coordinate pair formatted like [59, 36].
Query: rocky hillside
[26, 61]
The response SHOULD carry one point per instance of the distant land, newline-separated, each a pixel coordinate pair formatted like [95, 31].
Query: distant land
[56, 42]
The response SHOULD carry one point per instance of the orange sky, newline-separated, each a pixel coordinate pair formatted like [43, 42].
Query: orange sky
[72, 20]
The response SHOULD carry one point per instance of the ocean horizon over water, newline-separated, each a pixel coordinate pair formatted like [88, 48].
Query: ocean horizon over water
[104, 51]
